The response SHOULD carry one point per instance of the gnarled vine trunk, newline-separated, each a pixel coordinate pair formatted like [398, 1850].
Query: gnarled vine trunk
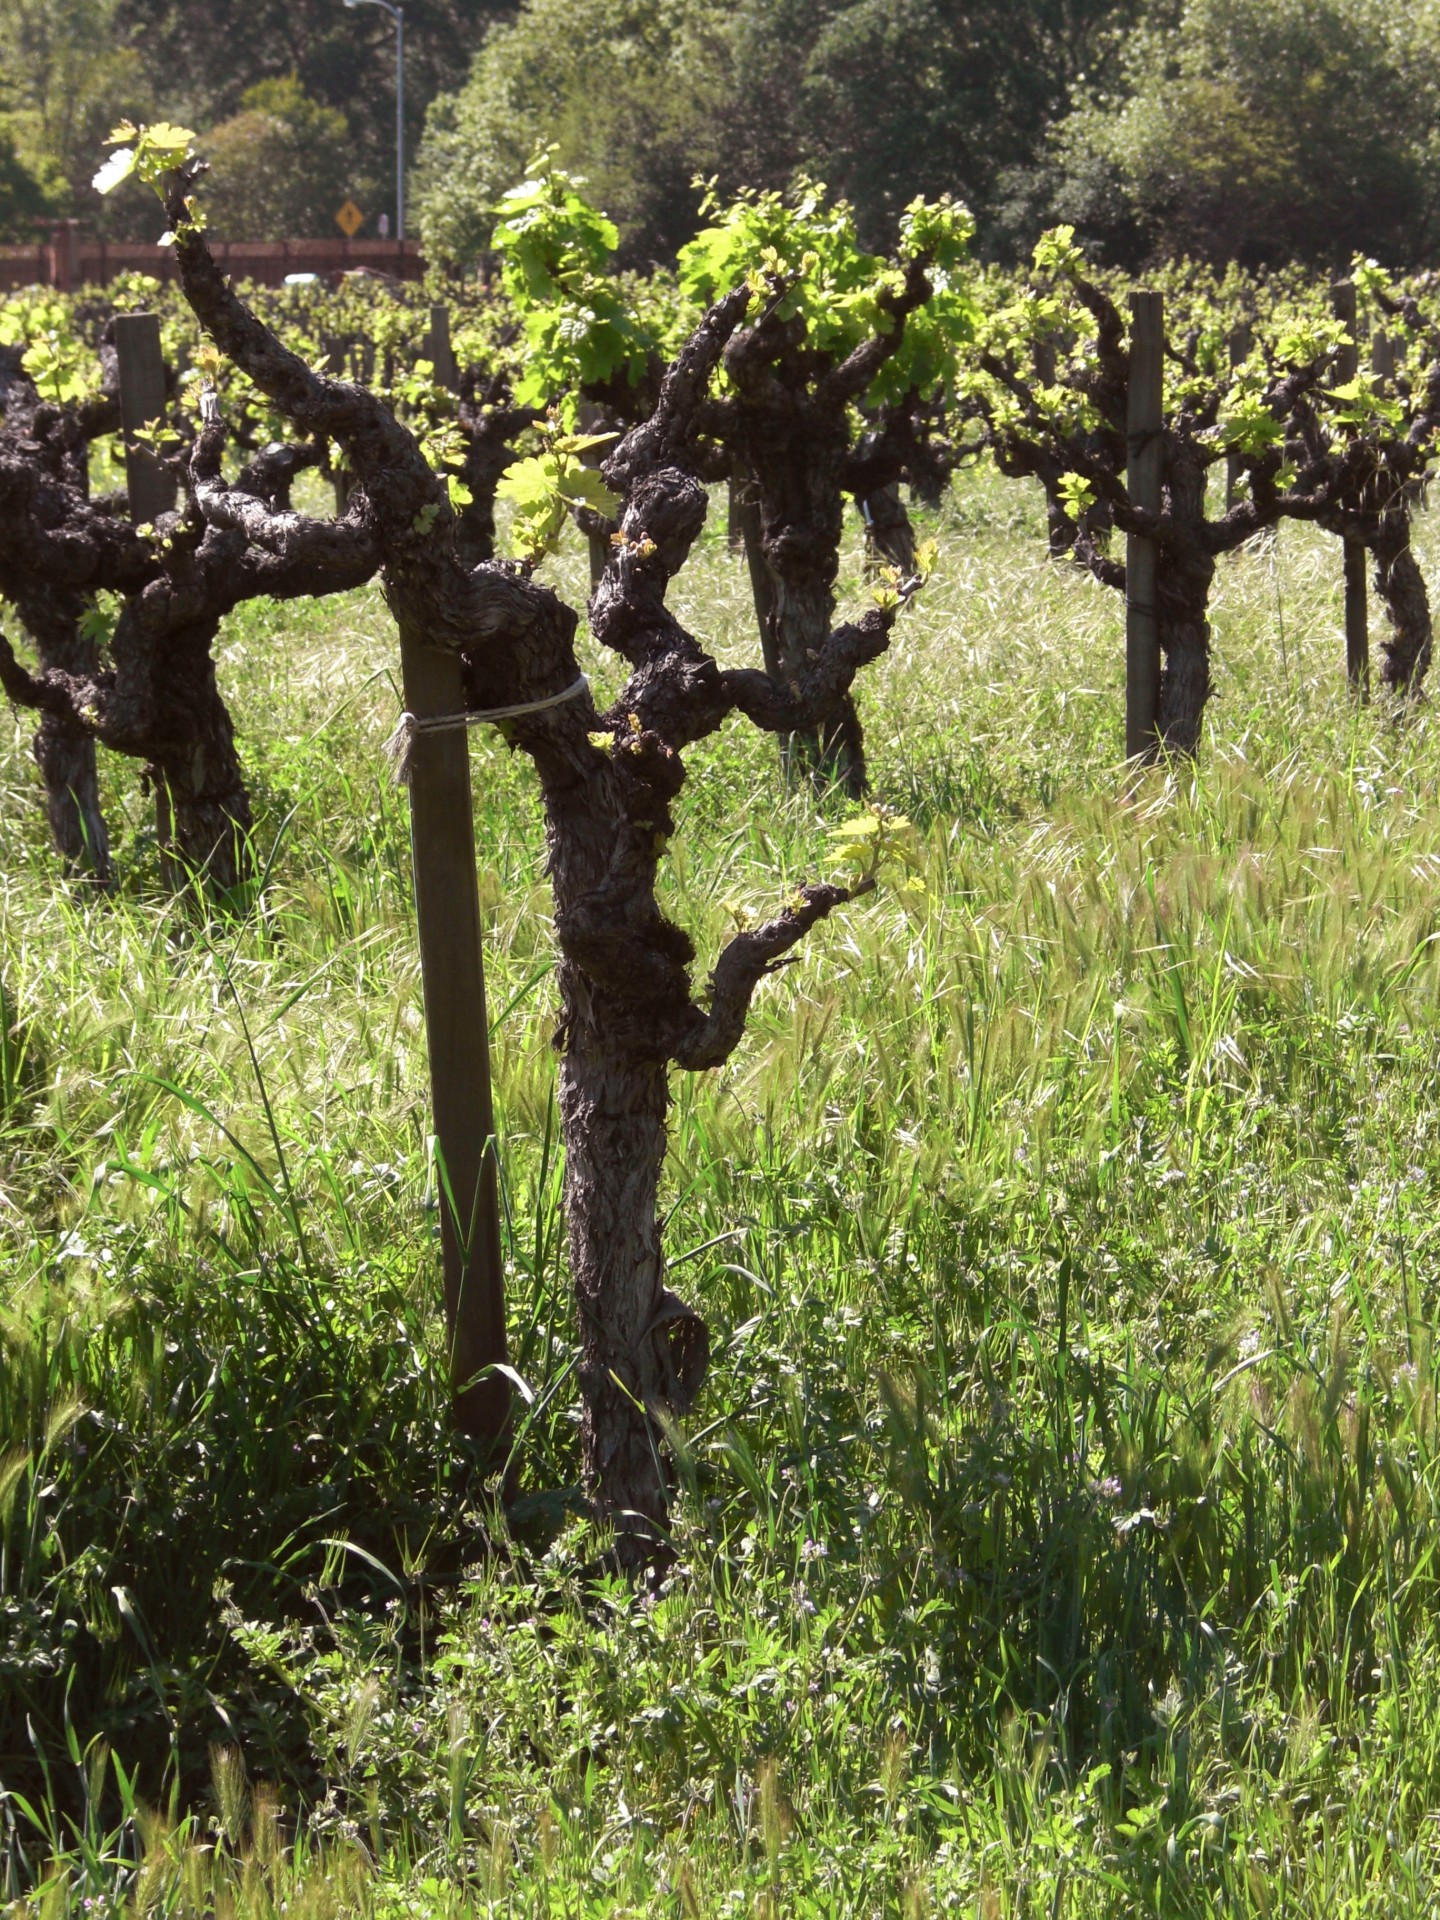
[790, 618]
[491, 424]
[607, 781]
[203, 800]
[1183, 579]
[1401, 586]
[54, 442]
[787, 428]
[889, 536]
[613, 1111]
[794, 470]
[64, 751]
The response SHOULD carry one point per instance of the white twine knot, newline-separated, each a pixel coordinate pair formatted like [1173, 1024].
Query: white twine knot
[399, 749]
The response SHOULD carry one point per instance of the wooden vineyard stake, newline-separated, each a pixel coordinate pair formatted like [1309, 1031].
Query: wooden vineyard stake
[593, 419]
[1241, 341]
[1382, 355]
[734, 533]
[745, 510]
[1357, 612]
[1144, 425]
[447, 911]
[150, 488]
[438, 349]
[452, 966]
[1357, 620]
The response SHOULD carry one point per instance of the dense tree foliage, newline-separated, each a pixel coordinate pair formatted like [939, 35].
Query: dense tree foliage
[1223, 129]
[281, 167]
[885, 100]
[202, 55]
[633, 93]
[22, 197]
[1260, 130]
[892, 98]
[69, 69]
[1219, 128]
[66, 75]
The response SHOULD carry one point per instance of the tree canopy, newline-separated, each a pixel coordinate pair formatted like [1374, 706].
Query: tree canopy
[66, 76]
[1256, 130]
[70, 69]
[281, 165]
[883, 98]
[1260, 131]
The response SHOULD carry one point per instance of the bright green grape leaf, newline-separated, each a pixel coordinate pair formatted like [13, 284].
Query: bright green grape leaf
[583, 487]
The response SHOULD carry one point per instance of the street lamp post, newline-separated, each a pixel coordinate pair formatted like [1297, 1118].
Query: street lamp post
[397, 14]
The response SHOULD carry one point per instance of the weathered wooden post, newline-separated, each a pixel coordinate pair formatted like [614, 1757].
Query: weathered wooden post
[438, 349]
[1382, 355]
[1240, 342]
[1357, 612]
[452, 971]
[452, 968]
[593, 419]
[65, 256]
[150, 487]
[447, 912]
[1145, 464]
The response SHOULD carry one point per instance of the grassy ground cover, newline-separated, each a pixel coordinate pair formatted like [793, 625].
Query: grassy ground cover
[1058, 1530]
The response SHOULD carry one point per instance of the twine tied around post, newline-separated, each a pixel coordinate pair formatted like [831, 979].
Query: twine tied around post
[399, 749]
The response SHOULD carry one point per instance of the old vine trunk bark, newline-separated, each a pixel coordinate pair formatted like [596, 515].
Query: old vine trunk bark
[745, 519]
[204, 803]
[799, 513]
[64, 752]
[889, 536]
[1401, 586]
[613, 1112]
[607, 782]
[624, 991]
[53, 443]
[789, 621]
[1184, 574]
[491, 424]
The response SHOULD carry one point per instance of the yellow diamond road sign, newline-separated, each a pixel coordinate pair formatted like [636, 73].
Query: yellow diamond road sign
[349, 219]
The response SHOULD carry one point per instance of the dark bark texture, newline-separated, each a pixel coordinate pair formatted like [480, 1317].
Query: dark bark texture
[1401, 587]
[787, 429]
[1182, 587]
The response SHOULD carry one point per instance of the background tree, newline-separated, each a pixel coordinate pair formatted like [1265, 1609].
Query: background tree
[23, 200]
[633, 95]
[67, 74]
[202, 56]
[282, 165]
[1258, 130]
[887, 99]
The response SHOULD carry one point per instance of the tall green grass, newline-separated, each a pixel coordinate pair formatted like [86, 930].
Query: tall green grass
[1058, 1529]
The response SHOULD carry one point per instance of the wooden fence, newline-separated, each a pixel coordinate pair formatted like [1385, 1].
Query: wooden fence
[68, 259]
